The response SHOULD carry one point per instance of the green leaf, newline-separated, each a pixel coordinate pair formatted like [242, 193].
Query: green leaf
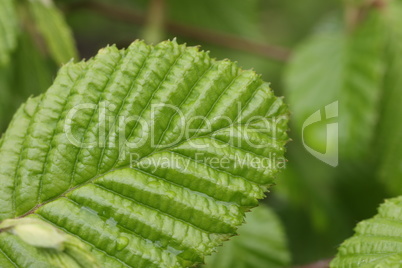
[8, 30]
[102, 155]
[50, 23]
[390, 128]
[261, 243]
[344, 68]
[377, 242]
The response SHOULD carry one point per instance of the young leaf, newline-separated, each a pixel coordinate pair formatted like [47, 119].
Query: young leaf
[50, 23]
[34, 243]
[343, 68]
[377, 242]
[261, 243]
[149, 155]
[35, 232]
[8, 30]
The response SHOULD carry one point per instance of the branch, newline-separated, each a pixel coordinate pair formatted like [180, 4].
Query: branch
[356, 14]
[155, 25]
[319, 264]
[379, 4]
[225, 40]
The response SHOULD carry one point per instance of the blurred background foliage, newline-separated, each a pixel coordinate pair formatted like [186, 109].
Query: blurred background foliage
[313, 52]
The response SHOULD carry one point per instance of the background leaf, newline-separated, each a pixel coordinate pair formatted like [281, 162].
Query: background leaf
[390, 127]
[32, 71]
[29, 73]
[5, 91]
[342, 67]
[377, 242]
[50, 23]
[261, 243]
[320, 204]
[8, 30]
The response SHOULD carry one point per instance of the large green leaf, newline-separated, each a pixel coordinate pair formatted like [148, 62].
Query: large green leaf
[377, 242]
[8, 30]
[390, 127]
[261, 243]
[50, 23]
[102, 155]
[343, 69]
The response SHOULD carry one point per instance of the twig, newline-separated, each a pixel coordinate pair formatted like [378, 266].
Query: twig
[208, 36]
[319, 264]
[155, 25]
[379, 4]
[356, 14]
[231, 41]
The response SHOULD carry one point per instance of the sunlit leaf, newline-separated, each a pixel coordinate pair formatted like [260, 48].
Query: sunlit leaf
[102, 156]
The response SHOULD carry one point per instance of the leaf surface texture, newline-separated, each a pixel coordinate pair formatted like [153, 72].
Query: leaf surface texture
[109, 185]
